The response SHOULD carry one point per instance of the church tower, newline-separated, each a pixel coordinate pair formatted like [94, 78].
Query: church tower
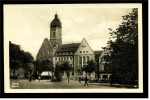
[55, 32]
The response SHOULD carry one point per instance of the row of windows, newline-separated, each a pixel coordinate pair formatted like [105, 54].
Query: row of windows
[84, 59]
[70, 53]
[83, 51]
[63, 58]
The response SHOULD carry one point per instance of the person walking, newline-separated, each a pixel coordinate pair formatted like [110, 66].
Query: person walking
[80, 79]
[86, 81]
[39, 78]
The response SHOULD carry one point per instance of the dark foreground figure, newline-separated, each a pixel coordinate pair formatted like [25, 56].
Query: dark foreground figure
[86, 81]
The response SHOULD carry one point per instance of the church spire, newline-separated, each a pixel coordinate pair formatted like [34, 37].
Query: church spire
[55, 32]
[56, 16]
[56, 22]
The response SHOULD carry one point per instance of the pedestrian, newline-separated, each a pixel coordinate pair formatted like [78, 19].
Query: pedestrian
[30, 78]
[80, 79]
[86, 81]
[39, 78]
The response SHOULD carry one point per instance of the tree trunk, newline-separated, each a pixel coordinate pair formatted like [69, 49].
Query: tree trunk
[49, 75]
[68, 80]
[68, 76]
[52, 76]
[14, 73]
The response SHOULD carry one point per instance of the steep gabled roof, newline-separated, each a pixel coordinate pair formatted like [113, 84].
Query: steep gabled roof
[45, 50]
[68, 48]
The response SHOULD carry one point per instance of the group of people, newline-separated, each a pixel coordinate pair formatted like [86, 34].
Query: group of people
[85, 79]
[81, 78]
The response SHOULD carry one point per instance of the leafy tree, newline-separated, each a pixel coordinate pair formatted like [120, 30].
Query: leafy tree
[67, 69]
[58, 72]
[14, 51]
[44, 65]
[91, 67]
[123, 55]
[128, 29]
[19, 58]
[97, 70]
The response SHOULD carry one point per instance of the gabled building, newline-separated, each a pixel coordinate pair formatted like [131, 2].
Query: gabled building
[77, 54]
[104, 66]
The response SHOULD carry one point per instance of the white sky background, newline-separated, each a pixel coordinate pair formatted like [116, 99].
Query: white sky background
[28, 25]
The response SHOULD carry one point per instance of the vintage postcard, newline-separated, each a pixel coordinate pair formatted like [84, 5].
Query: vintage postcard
[73, 48]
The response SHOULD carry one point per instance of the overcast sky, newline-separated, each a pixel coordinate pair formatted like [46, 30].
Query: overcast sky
[28, 25]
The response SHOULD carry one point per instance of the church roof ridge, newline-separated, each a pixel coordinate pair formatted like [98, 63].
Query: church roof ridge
[71, 47]
[71, 43]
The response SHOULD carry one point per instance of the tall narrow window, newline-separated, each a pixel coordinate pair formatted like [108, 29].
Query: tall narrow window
[102, 68]
[84, 60]
[88, 58]
[70, 57]
[54, 34]
[80, 60]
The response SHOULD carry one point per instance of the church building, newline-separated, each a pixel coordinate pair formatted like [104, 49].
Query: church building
[77, 54]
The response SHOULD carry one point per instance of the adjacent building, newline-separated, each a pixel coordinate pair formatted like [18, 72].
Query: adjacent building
[104, 66]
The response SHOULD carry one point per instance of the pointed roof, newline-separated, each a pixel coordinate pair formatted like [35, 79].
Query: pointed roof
[56, 22]
[45, 50]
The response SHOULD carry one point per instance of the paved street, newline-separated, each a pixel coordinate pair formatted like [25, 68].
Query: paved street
[46, 84]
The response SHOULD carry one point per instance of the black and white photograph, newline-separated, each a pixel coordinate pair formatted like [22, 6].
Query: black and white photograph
[73, 48]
